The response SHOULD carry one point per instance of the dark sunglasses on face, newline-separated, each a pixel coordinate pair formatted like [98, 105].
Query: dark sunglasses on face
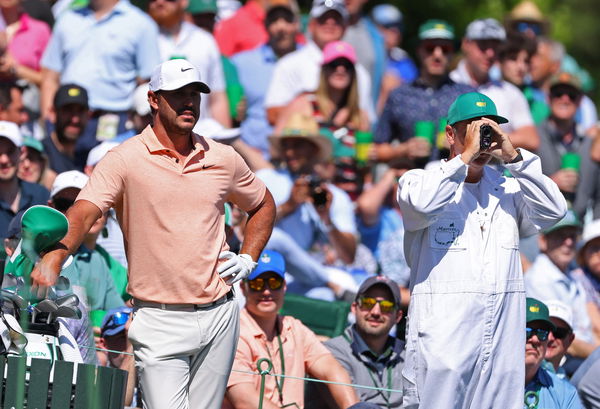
[367, 303]
[542, 334]
[258, 284]
[431, 47]
[340, 62]
[558, 93]
[525, 26]
[485, 45]
[561, 333]
[62, 204]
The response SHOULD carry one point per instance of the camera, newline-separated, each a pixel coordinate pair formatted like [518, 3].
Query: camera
[485, 137]
[318, 194]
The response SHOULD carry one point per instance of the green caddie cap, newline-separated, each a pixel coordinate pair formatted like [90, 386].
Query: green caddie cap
[473, 105]
[538, 311]
[202, 6]
[41, 228]
[436, 29]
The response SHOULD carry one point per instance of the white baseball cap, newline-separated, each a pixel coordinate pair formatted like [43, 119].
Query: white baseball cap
[174, 74]
[559, 309]
[99, 151]
[10, 131]
[591, 231]
[140, 100]
[71, 178]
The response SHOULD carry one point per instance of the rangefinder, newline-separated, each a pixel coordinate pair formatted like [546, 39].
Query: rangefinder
[485, 137]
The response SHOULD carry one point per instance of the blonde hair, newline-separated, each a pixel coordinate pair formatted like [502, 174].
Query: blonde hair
[327, 107]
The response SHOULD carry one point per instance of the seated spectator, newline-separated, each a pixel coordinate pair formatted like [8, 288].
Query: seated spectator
[293, 349]
[88, 269]
[543, 388]
[15, 194]
[381, 228]
[588, 259]
[27, 39]
[560, 338]
[587, 381]
[310, 212]
[366, 350]
[33, 163]
[334, 104]
[526, 18]
[117, 352]
[298, 71]
[12, 108]
[480, 46]
[255, 69]
[549, 278]
[400, 68]
[559, 136]
[427, 99]
[178, 38]
[203, 13]
[71, 113]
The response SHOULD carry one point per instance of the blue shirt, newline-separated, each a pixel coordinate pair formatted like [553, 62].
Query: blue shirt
[104, 56]
[414, 102]
[255, 70]
[553, 392]
[31, 194]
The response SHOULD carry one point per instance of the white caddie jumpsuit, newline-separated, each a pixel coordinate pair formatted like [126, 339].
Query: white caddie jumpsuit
[466, 319]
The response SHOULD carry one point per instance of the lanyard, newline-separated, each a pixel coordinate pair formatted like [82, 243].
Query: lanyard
[279, 383]
[532, 398]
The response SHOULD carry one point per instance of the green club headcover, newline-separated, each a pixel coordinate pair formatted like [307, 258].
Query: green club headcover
[41, 228]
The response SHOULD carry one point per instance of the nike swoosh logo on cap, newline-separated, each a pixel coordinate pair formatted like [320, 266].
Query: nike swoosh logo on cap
[186, 69]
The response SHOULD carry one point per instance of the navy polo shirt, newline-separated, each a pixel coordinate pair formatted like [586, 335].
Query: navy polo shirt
[31, 194]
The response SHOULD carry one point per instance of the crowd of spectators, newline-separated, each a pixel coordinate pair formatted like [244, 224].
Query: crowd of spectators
[329, 111]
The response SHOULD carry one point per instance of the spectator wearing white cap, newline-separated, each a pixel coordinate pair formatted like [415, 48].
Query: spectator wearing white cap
[168, 186]
[88, 269]
[15, 194]
[298, 71]
[588, 259]
[561, 337]
[480, 47]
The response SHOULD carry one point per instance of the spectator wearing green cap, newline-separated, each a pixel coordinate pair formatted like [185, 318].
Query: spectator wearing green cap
[178, 38]
[543, 389]
[480, 46]
[463, 220]
[549, 278]
[425, 100]
[33, 162]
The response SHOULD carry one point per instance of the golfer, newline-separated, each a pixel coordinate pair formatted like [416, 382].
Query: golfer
[169, 186]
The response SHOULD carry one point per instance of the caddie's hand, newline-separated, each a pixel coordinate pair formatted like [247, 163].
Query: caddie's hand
[46, 272]
[471, 149]
[501, 147]
[236, 267]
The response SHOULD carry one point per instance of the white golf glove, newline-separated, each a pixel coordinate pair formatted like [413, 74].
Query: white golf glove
[236, 268]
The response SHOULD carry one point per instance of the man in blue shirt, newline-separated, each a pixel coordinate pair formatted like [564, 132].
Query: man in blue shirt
[543, 389]
[426, 99]
[106, 47]
[255, 69]
[15, 194]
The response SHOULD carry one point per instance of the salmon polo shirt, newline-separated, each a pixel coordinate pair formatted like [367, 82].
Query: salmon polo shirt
[172, 213]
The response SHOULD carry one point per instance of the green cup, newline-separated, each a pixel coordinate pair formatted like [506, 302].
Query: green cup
[571, 161]
[364, 140]
[235, 93]
[425, 130]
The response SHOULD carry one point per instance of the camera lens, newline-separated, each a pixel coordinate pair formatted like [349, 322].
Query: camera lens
[485, 137]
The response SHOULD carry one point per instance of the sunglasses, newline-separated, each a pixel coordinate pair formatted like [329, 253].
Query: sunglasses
[485, 45]
[558, 93]
[561, 333]
[258, 284]
[62, 204]
[340, 62]
[524, 26]
[367, 303]
[542, 334]
[431, 47]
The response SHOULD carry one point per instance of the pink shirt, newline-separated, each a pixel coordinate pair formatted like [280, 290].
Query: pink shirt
[29, 42]
[301, 348]
[243, 31]
[172, 213]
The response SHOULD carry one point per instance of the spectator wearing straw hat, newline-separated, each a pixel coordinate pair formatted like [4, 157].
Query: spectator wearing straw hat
[291, 347]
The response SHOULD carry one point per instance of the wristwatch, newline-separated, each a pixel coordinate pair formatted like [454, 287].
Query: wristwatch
[517, 158]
